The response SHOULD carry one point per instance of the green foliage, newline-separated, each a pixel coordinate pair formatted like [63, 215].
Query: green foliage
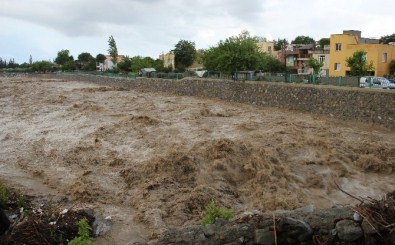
[4, 194]
[324, 41]
[184, 54]
[83, 237]
[278, 45]
[85, 57]
[270, 64]
[86, 62]
[112, 49]
[125, 65]
[315, 65]
[392, 66]
[213, 212]
[387, 39]
[68, 66]
[63, 57]
[303, 40]
[237, 53]
[358, 64]
[100, 58]
[42, 66]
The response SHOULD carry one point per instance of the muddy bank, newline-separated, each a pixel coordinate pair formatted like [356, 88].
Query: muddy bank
[153, 161]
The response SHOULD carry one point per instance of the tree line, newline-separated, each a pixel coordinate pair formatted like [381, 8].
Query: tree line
[236, 53]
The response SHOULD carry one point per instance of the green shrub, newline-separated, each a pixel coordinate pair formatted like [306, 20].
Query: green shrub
[83, 234]
[4, 194]
[213, 212]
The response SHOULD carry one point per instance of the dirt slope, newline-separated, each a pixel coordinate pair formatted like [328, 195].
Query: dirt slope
[152, 161]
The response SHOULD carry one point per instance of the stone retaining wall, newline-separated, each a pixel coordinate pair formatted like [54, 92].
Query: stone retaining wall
[338, 225]
[370, 106]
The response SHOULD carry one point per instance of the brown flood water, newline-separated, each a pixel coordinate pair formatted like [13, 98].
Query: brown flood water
[153, 161]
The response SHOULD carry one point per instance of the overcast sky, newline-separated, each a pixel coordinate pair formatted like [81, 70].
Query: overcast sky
[41, 28]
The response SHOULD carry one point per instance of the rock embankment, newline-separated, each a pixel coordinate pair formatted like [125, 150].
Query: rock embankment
[338, 225]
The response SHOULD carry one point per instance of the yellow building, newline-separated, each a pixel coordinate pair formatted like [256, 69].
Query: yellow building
[344, 45]
[267, 47]
[168, 60]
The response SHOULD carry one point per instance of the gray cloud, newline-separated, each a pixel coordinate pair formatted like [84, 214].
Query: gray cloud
[153, 26]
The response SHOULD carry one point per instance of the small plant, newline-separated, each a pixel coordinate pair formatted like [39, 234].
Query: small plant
[282, 202]
[213, 212]
[4, 194]
[83, 237]
[21, 200]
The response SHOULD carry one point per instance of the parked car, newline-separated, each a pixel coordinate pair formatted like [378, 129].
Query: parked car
[376, 82]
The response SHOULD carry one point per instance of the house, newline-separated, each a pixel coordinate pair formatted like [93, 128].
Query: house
[168, 61]
[296, 56]
[147, 72]
[344, 45]
[322, 55]
[267, 47]
[108, 64]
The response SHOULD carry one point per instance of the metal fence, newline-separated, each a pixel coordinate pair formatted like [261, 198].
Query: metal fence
[243, 76]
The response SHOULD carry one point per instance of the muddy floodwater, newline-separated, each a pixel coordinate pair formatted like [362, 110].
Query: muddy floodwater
[153, 161]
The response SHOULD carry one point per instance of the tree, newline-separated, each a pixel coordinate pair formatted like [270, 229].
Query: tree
[303, 40]
[237, 53]
[125, 65]
[86, 61]
[387, 39]
[184, 54]
[358, 64]
[100, 58]
[280, 43]
[324, 41]
[315, 65]
[30, 60]
[69, 66]
[112, 49]
[270, 64]
[63, 57]
[65, 60]
[139, 63]
[42, 66]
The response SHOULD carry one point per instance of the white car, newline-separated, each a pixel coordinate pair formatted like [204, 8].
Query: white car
[376, 82]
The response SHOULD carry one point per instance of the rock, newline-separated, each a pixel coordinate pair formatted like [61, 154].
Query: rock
[209, 230]
[348, 231]
[101, 225]
[264, 237]
[220, 222]
[306, 209]
[294, 229]
[4, 221]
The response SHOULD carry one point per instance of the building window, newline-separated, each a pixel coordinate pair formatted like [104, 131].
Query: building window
[338, 46]
[338, 66]
[384, 59]
[269, 49]
[322, 58]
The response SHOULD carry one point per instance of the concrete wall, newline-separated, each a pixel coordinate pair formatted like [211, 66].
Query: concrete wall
[370, 106]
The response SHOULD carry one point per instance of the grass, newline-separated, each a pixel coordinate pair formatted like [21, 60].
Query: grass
[4, 194]
[213, 212]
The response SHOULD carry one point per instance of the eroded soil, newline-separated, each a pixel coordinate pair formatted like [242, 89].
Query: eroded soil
[153, 161]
